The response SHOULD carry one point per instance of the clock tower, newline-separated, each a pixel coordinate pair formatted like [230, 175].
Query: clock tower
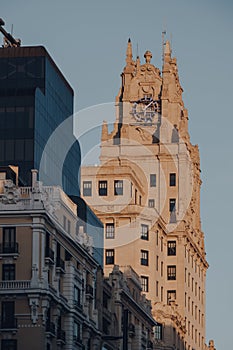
[147, 192]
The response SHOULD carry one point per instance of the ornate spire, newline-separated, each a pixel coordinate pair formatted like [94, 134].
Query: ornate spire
[167, 50]
[129, 55]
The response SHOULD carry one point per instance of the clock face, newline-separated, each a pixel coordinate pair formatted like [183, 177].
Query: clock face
[145, 109]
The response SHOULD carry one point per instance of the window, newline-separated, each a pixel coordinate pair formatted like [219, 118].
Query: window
[172, 209]
[172, 179]
[103, 188]
[161, 293]
[158, 331]
[8, 314]
[172, 205]
[171, 248]
[109, 256]
[68, 226]
[9, 344]
[9, 240]
[145, 283]
[152, 180]
[161, 243]
[171, 296]
[76, 332]
[145, 232]
[161, 268]
[157, 263]
[144, 257]
[8, 272]
[171, 272]
[77, 296]
[110, 230]
[118, 187]
[151, 203]
[87, 188]
[157, 288]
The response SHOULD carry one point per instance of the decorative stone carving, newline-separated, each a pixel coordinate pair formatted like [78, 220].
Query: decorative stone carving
[34, 303]
[11, 194]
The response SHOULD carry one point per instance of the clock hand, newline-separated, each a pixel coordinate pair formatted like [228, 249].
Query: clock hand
[149, 104]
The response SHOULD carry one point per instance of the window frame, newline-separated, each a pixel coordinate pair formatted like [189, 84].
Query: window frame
[9, 344]
[103, 191]
[171, 272]
[171, 248]
[110, 234]
[145, 283]
[109, 257]
[10, 273]
[170, 293]
[145, 234]
[87, 191]
[153, 181]
[144, 257]
[158, 331]
[172, 180]
[151, 203]
[118, 190]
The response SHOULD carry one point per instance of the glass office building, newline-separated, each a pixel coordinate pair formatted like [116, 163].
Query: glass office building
[35, 99]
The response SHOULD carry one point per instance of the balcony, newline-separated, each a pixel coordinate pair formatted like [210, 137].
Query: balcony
[49, 256]
[50, 328]
[19, 285]
[61, 335]
[60, 265]
[9, 248]
[9, 325]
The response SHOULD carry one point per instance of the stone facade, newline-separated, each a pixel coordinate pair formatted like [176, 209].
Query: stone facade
[48, 273]
[147, 193]
[53, 293]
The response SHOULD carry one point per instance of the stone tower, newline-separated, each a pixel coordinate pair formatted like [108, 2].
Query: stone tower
[147, 192]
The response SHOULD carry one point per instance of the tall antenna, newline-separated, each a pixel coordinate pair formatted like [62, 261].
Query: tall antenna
[9, 41]
[163, 43]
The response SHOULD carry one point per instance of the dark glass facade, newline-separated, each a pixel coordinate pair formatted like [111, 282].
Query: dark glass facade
[35, 99]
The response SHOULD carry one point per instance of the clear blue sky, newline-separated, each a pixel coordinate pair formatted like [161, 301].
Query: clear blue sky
[88, 39]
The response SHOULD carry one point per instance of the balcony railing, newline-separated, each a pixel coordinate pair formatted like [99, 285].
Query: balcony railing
[9, 248]
[15, 285]
[60, 264]
[49, 255]
[50, 328]
[61, 335]
[10, 324]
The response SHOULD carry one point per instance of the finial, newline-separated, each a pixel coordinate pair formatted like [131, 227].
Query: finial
[167, 49]
[148, 56]
[129, 55]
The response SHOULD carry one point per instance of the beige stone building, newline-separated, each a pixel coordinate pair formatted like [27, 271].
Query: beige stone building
[147, 193]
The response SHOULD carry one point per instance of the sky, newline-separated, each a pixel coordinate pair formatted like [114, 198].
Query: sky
[87, 39]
